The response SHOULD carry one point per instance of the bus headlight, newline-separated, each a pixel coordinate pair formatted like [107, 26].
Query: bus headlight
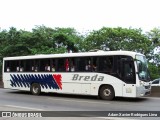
[141, 83]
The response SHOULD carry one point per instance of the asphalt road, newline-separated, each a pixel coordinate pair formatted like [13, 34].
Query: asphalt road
[13, 100]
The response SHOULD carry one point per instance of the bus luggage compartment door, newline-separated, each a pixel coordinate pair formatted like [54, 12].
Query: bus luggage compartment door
[129, 90]
[86, 88]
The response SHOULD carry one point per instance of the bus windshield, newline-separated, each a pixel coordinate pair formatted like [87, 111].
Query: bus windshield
[142, 66]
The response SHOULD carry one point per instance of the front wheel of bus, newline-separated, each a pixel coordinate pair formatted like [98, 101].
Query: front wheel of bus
[106, 92]
[35, 89]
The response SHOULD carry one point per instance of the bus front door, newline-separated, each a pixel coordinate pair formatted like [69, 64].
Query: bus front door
[128, 76]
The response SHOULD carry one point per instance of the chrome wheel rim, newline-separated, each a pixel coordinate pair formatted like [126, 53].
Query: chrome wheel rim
[35, 89]
[107, 92]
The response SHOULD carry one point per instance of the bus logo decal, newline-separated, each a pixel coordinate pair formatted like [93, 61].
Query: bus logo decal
[58, 79]
[77, 77]
[48, 81]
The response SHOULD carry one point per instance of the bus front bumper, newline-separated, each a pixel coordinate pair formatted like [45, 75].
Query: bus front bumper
[143, 91]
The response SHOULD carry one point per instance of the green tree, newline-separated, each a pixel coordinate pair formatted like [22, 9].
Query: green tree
[3, 39]
[154, 36]
[117, 39]
[46, 40]
[59, 40]
[67, 38]
[42, 40]
[154, 71]
[13, 44]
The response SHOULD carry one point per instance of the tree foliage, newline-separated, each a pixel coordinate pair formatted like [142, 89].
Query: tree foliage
[46, 40]
[118, 39]
[154, 36]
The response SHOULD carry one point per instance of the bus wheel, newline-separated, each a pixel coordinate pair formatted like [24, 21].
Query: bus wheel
[35, 89]
[106, 92]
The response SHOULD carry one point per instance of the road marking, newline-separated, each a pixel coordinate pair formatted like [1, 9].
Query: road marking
[78, 101]
[21, 107]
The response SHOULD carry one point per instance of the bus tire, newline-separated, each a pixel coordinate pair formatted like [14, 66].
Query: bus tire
[35, 89]
[106, 92]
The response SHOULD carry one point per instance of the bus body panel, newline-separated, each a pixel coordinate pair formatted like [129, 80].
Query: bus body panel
[84, 83]
[77, 85]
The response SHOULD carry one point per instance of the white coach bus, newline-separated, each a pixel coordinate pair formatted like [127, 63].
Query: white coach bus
[106, 74]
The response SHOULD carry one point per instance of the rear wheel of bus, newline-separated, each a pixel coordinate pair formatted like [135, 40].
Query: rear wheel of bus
[35, 89]
[106, 92]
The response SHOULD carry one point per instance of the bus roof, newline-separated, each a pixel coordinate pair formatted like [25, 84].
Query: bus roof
[81, 54]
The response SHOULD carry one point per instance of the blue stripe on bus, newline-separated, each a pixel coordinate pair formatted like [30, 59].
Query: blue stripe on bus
[25, 80]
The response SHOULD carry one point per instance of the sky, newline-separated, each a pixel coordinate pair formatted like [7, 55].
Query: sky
[83, 15]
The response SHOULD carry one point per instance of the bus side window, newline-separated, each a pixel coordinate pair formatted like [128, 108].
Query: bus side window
[44, 65]
[53, 68]
[36, 69]
[53, 65]
[8, 69]
[37, 65]
[101, 64]
[81, 65]
[61, 65]
[106, 64]
[94, 64]
[72, 64]
[29, 66]
[21, 65]
[119, 67]
[109, 64]
[66, 65]
[7, 66]
[17, 69]
[128, 70]
[47, 68]
[21, 69]
[88, 66]
[14, 66]
[72, 68]
[32, 68]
